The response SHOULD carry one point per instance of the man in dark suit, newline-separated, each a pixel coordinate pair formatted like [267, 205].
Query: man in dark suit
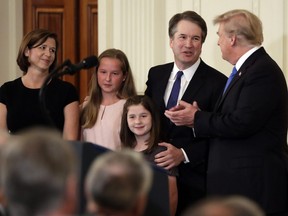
[248, 128]
[118, 183]
[187, 32]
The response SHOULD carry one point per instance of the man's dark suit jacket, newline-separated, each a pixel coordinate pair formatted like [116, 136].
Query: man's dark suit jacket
[249, 135]
[205, 87]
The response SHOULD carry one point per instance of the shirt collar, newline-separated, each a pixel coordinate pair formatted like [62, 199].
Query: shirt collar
[189, 72]
[244, 57]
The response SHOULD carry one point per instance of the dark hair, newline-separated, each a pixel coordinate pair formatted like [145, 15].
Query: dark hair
[189, 16]
[126, 136]
[32, 40]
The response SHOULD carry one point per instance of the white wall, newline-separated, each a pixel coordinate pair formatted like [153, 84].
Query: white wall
[139, 28]
[11, 33]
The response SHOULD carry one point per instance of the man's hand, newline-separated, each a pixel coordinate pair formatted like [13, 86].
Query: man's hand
[183, 114]
[170, 158]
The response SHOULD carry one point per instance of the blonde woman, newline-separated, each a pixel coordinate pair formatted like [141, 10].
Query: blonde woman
[110, 86]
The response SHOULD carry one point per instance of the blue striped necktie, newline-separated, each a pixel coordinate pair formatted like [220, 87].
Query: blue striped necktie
[173, 98]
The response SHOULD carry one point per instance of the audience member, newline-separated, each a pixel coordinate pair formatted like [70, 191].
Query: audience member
[19, 99]
[187, 32]
[110, 86]
[140, 130]
[38, 174]
[248, 128]
[225, 206]
[3, 138]
[118, 183]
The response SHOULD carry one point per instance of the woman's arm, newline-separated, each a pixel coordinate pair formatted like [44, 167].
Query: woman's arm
[173, 194]
[3, 117]
[71, 121]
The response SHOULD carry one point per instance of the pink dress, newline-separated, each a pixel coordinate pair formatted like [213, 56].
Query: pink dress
[107, 128]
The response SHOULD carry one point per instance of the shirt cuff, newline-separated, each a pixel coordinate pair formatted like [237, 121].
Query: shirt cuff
[193, 132]
[185, 155]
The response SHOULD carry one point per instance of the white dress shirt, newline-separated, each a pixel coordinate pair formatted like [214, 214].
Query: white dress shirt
[185, 80]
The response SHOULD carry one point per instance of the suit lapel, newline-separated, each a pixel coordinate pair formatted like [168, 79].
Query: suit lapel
[241, 73]
[237, 77]
[163, 78]
[195, 84]
[164, 75]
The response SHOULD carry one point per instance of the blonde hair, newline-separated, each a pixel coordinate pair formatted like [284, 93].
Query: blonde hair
[245, 25]
[90, 111]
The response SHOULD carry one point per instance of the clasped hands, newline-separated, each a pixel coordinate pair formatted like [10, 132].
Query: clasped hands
[183, 114]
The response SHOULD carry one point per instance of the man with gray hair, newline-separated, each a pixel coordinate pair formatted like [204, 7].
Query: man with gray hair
[38, 174]
[118, 183]
[247, 130]
[225, 206]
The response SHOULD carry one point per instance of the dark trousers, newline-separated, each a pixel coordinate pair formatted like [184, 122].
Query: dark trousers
[191, 185]
[278, 214]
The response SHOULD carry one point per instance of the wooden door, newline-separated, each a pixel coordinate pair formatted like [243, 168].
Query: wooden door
[88, 40]
[75, 22]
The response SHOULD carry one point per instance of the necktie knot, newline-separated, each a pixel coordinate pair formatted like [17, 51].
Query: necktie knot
[179, 74]
[234, 72]
[172, 101]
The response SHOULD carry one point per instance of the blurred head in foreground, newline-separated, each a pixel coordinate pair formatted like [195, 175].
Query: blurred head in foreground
[225, 206]
[118, 183]
[38, 174]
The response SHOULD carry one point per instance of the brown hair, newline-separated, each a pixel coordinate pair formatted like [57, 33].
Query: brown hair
[126, 136]
[189, 16]
[90, 111]
[32, 40]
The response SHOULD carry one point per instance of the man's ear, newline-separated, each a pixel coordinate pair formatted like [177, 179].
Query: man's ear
[140, 205]
[70, 196]
[3, 201]
[91, 207]
[233, 40]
